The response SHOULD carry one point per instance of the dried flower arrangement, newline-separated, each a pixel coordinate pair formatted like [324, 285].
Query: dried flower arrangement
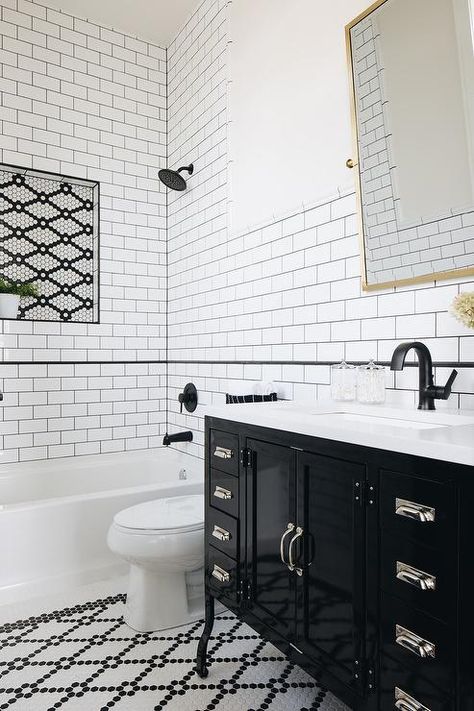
[462, 308]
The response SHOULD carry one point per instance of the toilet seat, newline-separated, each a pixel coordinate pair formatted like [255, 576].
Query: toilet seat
[175, 514]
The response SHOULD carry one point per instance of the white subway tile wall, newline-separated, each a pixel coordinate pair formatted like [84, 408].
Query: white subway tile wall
[287, 291]
[86, 101]
[67, 409]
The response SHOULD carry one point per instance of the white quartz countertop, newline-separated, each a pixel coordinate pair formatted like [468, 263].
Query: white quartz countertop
[446, 435]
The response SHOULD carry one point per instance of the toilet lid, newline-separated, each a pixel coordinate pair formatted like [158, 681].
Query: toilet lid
[172, 515]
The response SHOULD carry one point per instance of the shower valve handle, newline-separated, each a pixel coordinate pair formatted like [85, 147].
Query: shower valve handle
[188, 398]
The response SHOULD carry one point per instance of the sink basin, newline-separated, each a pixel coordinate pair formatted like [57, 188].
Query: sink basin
[334, 418]
[358, 415]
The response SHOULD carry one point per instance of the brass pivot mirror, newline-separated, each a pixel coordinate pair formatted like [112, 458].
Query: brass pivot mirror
[411, 66]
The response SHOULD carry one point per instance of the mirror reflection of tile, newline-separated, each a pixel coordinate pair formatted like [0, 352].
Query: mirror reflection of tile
[415, 175]
[49, 232]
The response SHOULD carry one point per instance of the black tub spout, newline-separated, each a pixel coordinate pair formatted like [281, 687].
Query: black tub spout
[177, 437]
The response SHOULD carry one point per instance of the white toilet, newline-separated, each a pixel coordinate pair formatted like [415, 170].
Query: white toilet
[163, 540]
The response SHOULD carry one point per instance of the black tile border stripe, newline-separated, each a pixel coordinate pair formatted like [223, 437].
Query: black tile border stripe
[386, 363]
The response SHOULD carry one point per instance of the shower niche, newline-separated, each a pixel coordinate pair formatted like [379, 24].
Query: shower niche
[49, 237]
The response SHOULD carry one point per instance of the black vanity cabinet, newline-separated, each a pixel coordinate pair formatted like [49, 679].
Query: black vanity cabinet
[270, 506]
[349, 560]
[330, 590]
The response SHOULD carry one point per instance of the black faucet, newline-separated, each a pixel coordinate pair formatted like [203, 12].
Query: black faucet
[428, 391]
[177, 437]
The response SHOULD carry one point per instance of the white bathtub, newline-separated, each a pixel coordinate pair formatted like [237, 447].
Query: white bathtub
[54, 515]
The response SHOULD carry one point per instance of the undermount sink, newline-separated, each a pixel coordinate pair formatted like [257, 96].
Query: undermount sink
[334, 418]
[332, 414]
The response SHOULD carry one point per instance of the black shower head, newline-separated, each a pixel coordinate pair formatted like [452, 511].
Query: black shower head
[172, 178]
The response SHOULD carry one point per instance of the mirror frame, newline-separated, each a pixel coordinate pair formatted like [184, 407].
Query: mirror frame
[354, 162]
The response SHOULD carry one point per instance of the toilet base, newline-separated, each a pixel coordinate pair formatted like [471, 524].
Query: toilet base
[159, 600]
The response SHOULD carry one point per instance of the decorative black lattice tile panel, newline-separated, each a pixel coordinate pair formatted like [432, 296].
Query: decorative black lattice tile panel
[49, 235]
[84, 658]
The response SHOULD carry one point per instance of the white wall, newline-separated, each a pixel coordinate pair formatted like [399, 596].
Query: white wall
[283, 298]
[426, 109]
[280, 301]
[289, 106]
[83, 100]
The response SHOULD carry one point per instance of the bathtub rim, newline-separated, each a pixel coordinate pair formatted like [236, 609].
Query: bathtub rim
[21, 470]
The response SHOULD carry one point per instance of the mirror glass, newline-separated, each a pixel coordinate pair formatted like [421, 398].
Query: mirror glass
[412, 74]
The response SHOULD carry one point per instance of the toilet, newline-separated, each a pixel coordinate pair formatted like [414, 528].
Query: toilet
[163, 540]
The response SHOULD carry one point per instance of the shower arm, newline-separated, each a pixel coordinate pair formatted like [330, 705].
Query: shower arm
[188, 168]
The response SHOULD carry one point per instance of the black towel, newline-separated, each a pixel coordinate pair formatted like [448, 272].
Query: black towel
[235, 399]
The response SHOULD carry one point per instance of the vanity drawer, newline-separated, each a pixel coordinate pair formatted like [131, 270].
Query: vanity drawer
[398, 683]
[419, 575]
[222, 574]
[224, 492]
[417, 508]
[224, 451]
[421, 644]
[222, 532]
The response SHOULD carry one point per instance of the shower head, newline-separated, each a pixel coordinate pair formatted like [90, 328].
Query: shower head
[172, 178]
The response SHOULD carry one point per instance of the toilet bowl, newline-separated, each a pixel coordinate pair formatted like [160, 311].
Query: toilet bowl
[163, 540]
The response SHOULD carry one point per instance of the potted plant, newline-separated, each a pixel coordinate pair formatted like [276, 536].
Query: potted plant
[10, 294]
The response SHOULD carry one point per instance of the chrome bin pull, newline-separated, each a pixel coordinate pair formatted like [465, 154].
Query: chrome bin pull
[414, 511]
[417, 578]
[223, 453]
[414, 644]
[221, 493]
[220, 574]
[221, 534]
[404, 702]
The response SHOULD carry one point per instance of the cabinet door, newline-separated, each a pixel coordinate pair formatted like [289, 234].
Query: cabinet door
[330, 589]
[270, 508]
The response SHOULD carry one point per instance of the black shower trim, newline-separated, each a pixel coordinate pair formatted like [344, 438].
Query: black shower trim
[436, 364]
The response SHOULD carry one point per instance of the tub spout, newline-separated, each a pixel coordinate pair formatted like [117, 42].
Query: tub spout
[177, 437]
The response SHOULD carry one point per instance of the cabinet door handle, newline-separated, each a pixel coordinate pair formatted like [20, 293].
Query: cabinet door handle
[417, 578]
[417, 512]
[292, 565]
[221, 493]
[223, 453]
[220, 574]
[404, 702]
[290, 527]
[414, 644]
[221, 534]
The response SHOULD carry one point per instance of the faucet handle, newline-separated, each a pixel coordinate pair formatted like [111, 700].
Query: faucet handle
[442, 392]
[449, 384]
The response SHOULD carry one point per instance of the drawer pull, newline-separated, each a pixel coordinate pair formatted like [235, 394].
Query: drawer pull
[223, 453]
[220, 574]
[404, 702]
[414, 644]
[221, 493]
[417, 512]
[221, 534]
[417, 578]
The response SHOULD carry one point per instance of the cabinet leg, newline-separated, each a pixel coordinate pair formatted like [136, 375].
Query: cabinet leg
[201, 657]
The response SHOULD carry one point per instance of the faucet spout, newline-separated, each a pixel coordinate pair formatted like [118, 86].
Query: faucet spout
[428, 391]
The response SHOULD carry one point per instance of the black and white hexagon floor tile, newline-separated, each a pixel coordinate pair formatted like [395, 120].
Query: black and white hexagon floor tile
[84, 658]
